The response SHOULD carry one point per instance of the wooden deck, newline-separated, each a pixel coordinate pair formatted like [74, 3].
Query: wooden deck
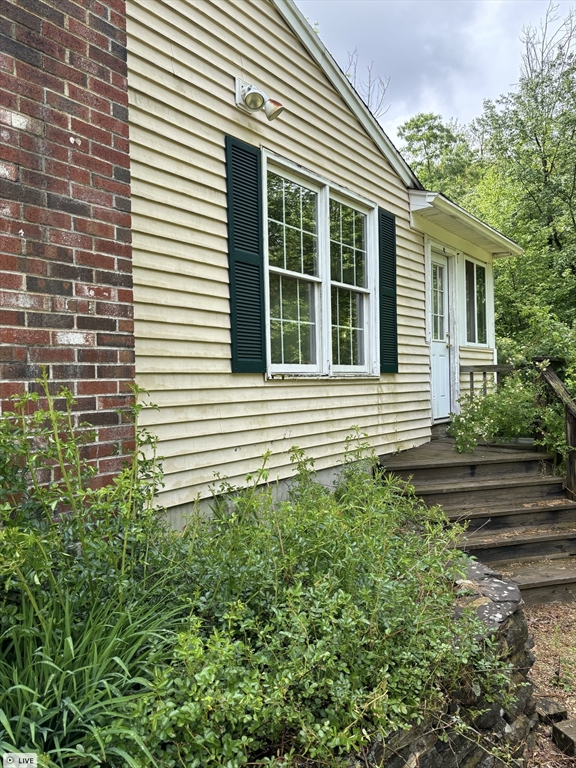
[441, 453]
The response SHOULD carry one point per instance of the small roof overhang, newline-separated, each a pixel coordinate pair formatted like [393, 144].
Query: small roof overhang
[434, 207]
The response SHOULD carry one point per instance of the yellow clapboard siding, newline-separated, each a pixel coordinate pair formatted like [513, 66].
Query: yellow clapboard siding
[183, 58]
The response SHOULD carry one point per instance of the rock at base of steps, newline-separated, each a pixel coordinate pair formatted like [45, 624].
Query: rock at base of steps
[550, 711]
[564, 736]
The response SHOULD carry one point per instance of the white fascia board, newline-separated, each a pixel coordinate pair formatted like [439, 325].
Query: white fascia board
[421, 200]
[322, 56]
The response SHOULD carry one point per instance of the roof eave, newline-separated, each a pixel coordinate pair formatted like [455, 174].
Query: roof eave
[316, 48]
[502, 246]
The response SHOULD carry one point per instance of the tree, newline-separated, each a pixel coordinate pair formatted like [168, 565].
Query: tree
[531, 148]
[372, 89]
[442, 155]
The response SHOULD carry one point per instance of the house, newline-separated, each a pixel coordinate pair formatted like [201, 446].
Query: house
[292, 279]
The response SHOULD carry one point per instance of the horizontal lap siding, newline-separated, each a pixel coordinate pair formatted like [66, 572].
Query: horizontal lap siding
[183, 58]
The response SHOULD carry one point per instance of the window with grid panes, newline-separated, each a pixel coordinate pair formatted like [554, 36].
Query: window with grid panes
[322, 266]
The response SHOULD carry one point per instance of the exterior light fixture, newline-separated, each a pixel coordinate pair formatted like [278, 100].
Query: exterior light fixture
[250, 98]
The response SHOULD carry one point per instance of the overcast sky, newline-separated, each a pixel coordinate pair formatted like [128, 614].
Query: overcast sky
[442, 56]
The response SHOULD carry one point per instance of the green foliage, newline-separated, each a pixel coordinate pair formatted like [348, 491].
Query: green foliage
[506, 414]
[263, 632]
[317, 622]
[443, 155]
[77, 641]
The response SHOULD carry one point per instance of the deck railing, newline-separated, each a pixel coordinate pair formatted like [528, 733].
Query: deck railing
[549, 375]
[484, 370]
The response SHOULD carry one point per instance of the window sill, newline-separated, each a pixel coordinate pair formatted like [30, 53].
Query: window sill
[321, 377]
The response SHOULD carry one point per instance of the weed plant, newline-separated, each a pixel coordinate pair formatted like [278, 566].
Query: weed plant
[261, 634]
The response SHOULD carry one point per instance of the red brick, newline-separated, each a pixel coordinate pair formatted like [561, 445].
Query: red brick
[126, 326]
[65, 38]
[114, 309]
[111, 155]
[72, 239]
[91, 195]
[95, 291]
[9, 389]
[125, 295]
[24, 336]
[69, 106]
[22, 87]
[89, 98]
[111, 124]
[91, 132]
[34, 267]
[121, 432]
[73, 338]
[10, 354]
[122, 145]
[111, 185]
[113, 247]
[11, 244]
[8, 263]
[98, 355]
[87, 33]
[126, 356]
[40, 43]
[8, 100]
[6, 62]
[46, 216]
[8, 171]
[97, 387]
[112, 465]
[15, 282]
[52, 355]
[32, 301]
[116, 92]
[33, 76]
[9, 317]
[95, 228]
[94, 164]
[121, 82]
[119, 218]
[96, 260]
[92, 70]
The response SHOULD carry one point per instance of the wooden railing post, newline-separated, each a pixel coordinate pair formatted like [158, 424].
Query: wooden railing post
[571, 458]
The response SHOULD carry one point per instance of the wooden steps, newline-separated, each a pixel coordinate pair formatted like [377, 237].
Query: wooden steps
[519, 519]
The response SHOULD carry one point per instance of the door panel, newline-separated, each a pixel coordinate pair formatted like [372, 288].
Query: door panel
[440, 341]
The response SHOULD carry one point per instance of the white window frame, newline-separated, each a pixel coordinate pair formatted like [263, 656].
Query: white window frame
[326, 190]
[480, 344]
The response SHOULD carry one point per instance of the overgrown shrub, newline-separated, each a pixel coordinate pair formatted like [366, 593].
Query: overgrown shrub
[264, 632]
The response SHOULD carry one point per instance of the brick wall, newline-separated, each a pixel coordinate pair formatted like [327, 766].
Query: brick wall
[65, 253]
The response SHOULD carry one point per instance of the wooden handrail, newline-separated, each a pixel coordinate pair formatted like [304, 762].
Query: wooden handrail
[550, 376]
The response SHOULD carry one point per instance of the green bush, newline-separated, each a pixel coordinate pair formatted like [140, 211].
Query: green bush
[317, 622]
[261, 633]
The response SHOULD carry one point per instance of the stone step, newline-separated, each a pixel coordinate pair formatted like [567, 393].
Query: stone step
[530, 513]
[521, 543]
[471, 494]
[542, 580]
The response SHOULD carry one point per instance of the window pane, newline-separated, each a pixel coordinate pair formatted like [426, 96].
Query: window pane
[293, 250]
[347, 327]
[292, 322]
[292, 203]
[276, 244]
[294, 246]
[275, 197]
[481, 303]
[347, 244]
[470, 303]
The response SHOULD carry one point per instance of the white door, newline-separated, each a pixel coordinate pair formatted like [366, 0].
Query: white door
[440, 341]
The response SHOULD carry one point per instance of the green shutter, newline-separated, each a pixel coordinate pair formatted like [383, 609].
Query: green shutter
[388, 322]
[245, 256]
